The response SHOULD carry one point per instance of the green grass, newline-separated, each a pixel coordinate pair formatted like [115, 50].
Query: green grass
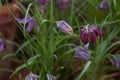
[51, 51]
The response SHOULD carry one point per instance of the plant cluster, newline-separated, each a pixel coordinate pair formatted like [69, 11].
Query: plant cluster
[69, 39]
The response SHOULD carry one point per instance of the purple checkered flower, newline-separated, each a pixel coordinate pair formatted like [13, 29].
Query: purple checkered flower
[29, 21]
[2, 44]
[43, 2]
[64, 27]
[82, 53]
[103, 5]
[90, 33]
[62, 4]
[31, 76]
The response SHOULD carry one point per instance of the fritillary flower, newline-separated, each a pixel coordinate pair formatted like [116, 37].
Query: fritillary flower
[62, 4]
[90, 33]
[64, 27]
[82, 52]
[29, 21]
[103, 6]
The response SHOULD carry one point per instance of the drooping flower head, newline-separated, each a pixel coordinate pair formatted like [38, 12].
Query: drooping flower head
[31, 76]
[62, 4]
[90, 33]
[64, 27]
[82, 53]
[29, 21]
[43, 2]
[103, 5]
[2, 44]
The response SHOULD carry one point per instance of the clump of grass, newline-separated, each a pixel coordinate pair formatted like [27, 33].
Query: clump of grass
[51, 51]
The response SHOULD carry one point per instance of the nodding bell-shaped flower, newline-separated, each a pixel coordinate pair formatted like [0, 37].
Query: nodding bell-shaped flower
[43, 2]
[31, 76]
[103, 5]
[29, 21]
[90, 33]
[64, 27]
[62, 4]
[2, 44]
[82, 53]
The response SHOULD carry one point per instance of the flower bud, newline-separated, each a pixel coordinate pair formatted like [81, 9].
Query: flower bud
[64, 27]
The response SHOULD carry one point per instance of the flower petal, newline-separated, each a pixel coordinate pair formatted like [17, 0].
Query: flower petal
[29, 21]
[81, 53]
[30, 25]
[84, 37]
[96, 30]
[92, 36]
[22, 21]
[86, 46]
